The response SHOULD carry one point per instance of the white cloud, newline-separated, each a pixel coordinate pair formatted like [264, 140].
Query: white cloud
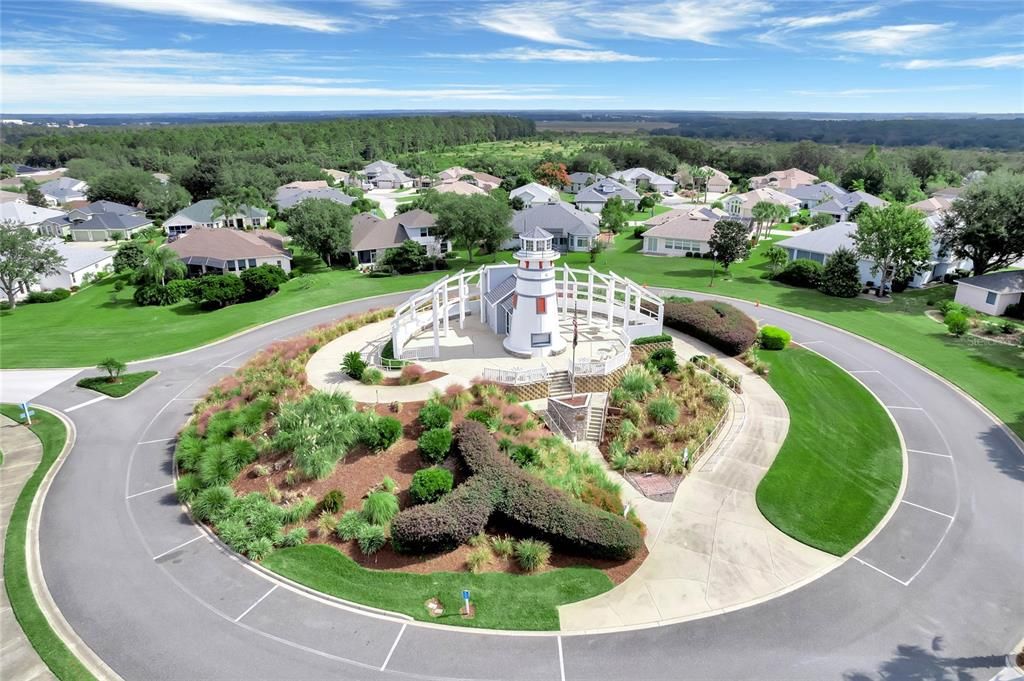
[527, 54]
[182, 37]
[233, 12]
[813, 21]
[693, 20]
[996, 61]
[533, 21]
[889, 39]
[874, 92]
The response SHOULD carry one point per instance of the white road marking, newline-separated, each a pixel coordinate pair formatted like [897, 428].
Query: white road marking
[561, 659]
[185, 399]
[153, 442]
[921, 451]
[880, 571]
[258, 601]
[155, 489]
[179, 546]
[86, 403]
[925, 508]
[889, 406]
[865, 371]
[809, 342]
[393, 646]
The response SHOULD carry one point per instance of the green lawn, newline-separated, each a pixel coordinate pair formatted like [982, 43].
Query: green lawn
[502, 601]
[567, 197]
[641, 215]
[125, 384]
[839, 469]
[51, 649]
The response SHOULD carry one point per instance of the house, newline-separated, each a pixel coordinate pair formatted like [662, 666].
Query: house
[740, 206]
[372, 236]
[810, 195]
[206, 250]
[686, 233]
[638, 177]
[936, 204]
[200, 214]
[97, 221]
[454, 173]
[19, 212]
[534, 193]
[386, 175]
[718, 182]
[340, 176]
[579, 181]
[783, 179]
[818, 245]
[82, 262]
[289, 195]
[840, 207]
[991, 293]
[64, 190]
[596, 195]
[950, 193]
[8, 197]
[460, 187]
[571, 229]
[486, 181]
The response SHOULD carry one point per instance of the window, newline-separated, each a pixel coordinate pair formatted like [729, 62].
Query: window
[990, 298]
[231, 266]
[515, 300]
[542, 305]
[252, 262]
[540, 340]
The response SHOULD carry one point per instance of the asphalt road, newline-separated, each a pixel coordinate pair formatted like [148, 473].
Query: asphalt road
[936, 595]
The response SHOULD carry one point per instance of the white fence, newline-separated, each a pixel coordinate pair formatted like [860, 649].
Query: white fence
[603, 367]
[516, 376]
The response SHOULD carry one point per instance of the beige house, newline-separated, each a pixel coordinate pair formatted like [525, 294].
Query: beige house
[740, 206]
[991, 293]
[783, 179]
[685, 233]
[936, 204]
[718, 182]
[460, 187]
[227, 251]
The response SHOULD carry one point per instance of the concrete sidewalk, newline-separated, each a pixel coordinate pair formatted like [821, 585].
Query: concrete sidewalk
[713, 550]
[22, 453]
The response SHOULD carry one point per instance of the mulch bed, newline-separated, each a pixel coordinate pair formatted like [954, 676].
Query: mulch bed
[425, 378]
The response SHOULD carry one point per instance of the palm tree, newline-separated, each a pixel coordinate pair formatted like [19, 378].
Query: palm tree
[159, 262]
[226, 208]
[762, 212]
[781, 212]
[700, 178]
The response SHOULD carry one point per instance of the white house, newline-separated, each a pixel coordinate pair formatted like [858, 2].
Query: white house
[372, 236]
[81, 261]
[228, 251]
[97, 221]
[200, 214]
[810, 195]
[534, 193]
[64, 190]
[571, 230]
[686, 233]
[740, 206]
[596, 195]
[637, 177]
[840, 207]
[18, 212]
[783, 179]
[991, 293]
[386, 175]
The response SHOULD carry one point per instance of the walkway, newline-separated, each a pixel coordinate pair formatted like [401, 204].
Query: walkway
[713, 550]
[22, 453]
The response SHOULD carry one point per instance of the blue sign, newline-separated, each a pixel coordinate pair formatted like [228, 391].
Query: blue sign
[465, 595]
[26, 413]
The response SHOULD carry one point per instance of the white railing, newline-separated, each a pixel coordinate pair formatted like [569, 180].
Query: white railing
[424, 352]
[516, 376]
[729, 380]
[558, 425]
[603, 367]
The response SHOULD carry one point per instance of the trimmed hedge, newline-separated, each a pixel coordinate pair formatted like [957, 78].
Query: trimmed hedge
[650, 340]
[499, 486]
[718, 324]
[802, 272]
[774, 338]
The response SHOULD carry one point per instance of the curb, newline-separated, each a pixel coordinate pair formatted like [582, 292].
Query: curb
[92, 662]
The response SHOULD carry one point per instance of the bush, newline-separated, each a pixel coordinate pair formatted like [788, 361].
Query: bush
[187, 487]
[663, 360]
[430, 484]
[211, 501]
[353, 365]
[380, 432]
[435, 444]
[411, 373]
[295, 537]
[217, 290]
[155, 294]
[1014, 311]
[663, 411]
[433, 415]
[129, 257]
[332, 502]
[371, 539]
[371, 376]
[774, 338]
[649, 340]
[380, 507]
[260, 282]
[719, 324]
[349, 525]
[801, 272]
[949, 305]
[478, 559]
[318, 431]
[841, 276]
[180, 289]
[532, 555]
[956, 323]
[504, 546]
[119, 285]
[524, 455]
[637, 382]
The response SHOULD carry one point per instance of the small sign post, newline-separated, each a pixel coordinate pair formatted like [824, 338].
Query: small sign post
[465, 597]
[26, 413]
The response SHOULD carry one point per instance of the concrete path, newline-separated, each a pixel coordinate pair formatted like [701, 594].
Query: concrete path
[24, 385]
[22, 453]
[713, 550]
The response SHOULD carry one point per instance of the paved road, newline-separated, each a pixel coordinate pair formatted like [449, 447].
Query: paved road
[936, 595]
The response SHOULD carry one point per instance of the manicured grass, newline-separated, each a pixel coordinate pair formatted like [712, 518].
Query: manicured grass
[51, 649]
[641, 215]
[567, 197]
[502, 601]
[124, 385]
[839, 469]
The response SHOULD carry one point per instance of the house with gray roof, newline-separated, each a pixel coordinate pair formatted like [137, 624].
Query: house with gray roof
[22, 213]
[991, 293]
[82, 262]
[372, 236]
[638, 177]
[200, 214]
[290, 195]
[596, 195]
[571, 229]
[810, 195]
[386, 175]
[840, 207]
[64, 190]
[579, 181]
[97, 221]
[533, 193]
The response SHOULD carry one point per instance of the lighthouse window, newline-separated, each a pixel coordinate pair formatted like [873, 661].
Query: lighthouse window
[515, 299]
[540, 340]
[542, 305]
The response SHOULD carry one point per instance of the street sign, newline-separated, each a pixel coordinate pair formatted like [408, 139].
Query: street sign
[26, 413]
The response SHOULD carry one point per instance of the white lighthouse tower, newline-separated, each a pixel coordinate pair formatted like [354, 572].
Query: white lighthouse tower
[533, 329]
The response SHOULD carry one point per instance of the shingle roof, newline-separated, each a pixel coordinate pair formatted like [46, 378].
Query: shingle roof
[287, 197]
[537, 192]
[848, 202]
[24, 213]
[63, 187]
[816, 192]
[1010, 281]
[416, 218]
[229, 244]
[370, 233]
[100, 220]
[109, 207]
[458, 187]
[78, 257]
[766, 194]
[501, 291]
[454, 173]
[695, 224]
[639, 174]
[581, 177]
[560, 217]
[379, 167]
[935, 204]
[825, 240]
[602, 190]
[202, 211]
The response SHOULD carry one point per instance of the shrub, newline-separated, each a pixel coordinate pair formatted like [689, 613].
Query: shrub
[298, 512]
[1014, 311]
[332, 502]
[649, 340]
[155, 294]
[478, 559]
[663, 411]
[486, 416]
[524, 455]
[217, 290]
[260, 282]
[1007, 327]
[380, 432]
[801, 272]
[956, 323]
[774, 338]
[430, 484]
[187, 487]
[353, 365]
[411, 373]
[259, 548]
[119, 285]
[295, 537]
[663, 360]
[433, 415]
[435, 444]
[371, 538]
[638, 382]
[179, 289]
[349, 525]
[718, 324]
[841, 275]
[129, 257]
[503, 546]
[380, 507]
[533, 555]
[318, 431]
[371, 376]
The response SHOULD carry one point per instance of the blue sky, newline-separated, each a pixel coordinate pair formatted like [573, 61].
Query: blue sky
[108, 56]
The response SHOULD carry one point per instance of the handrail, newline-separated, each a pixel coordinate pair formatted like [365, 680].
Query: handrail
[700, 449]
[559, 425]
[516, 376]
[732, 383]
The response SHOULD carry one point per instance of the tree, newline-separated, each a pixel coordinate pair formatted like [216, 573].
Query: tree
[407, 258]
[217, 290]
[777, 259]
[25, 257]
[648, 202]
[226, 208]
[928, 162]
[321, 226]
[160, 264]
[761, 213]
[841, 276]
[896, 240]
[825, 173]
[261, 281]
[122, 185]
[901, 185]
[474, 222]
[986, 224]
[819, 220]
[114, 368]
[6, 171]
[164, 200]
[33, 195]
[868, 174]
[700, 179]
[129, 257]
[552, 175]
[729, 242]
[613, 215]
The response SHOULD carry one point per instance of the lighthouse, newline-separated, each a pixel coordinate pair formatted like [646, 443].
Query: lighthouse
[533, 327]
